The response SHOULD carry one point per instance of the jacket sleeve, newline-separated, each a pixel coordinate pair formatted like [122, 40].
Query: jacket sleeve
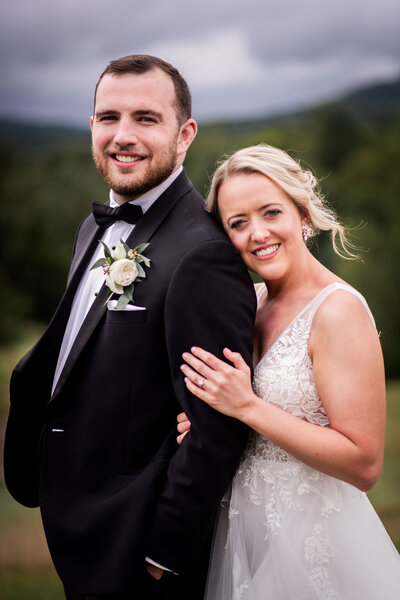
[211, 304]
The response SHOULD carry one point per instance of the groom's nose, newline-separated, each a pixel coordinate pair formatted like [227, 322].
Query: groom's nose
[125, 133]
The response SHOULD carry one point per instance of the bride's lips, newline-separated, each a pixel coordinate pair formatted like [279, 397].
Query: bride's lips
[266, 252]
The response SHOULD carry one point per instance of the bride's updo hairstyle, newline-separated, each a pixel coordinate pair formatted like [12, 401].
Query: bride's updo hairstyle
[301, 186]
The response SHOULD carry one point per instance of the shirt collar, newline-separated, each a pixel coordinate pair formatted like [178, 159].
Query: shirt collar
[147, 199]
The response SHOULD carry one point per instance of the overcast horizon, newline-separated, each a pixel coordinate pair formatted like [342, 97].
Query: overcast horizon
[241, 60]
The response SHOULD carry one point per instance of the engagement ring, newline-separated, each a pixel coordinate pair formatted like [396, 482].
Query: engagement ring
[200, 382]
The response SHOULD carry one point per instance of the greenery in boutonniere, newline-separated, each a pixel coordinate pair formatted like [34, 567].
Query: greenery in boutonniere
[122, 268]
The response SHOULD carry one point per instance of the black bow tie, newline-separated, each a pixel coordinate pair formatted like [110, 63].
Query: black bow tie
[106, 216]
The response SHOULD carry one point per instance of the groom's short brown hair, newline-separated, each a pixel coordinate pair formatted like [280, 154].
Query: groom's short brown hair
[143, 63]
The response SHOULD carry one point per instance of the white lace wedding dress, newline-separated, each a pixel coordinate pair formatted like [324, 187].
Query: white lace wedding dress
[289, 532]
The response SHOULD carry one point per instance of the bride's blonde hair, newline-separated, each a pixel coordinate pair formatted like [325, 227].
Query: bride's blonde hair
[300, 185]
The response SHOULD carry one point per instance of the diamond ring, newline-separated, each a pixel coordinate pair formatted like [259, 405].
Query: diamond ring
[200, 382]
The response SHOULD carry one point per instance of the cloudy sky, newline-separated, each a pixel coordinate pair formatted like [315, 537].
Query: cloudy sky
[241, 57]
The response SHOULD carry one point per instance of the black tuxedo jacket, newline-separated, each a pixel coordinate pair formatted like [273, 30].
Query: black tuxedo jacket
[113, 485]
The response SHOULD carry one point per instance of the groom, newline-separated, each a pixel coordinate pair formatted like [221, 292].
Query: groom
[128, 513]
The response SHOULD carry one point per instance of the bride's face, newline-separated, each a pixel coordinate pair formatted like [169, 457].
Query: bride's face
[263, 223]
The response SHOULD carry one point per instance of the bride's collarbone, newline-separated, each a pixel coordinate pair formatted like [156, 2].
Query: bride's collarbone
[274, 317]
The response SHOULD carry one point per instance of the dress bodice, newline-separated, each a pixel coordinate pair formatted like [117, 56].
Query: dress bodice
[284, 374]
[287, 530]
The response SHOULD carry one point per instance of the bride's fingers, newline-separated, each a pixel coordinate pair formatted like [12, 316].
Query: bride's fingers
[209, 359]
[198, 391]
[184, 426]
[236, 359]
[181, 436]
[193, 375]
[197, 365]
[197, 379]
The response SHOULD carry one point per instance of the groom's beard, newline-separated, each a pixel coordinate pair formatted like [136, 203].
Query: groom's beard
[136, 181]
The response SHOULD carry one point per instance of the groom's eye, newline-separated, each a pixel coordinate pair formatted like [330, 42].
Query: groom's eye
[106, 118]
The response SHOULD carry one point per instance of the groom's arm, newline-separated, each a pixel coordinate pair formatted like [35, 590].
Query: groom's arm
[211, 304]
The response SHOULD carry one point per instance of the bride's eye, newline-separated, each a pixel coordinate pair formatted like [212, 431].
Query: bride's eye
[236, 224]
[272, 212]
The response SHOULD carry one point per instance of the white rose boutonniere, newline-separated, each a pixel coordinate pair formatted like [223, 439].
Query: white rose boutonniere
[122, 268]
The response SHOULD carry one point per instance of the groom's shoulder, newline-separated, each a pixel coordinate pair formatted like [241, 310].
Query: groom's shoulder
[196, 221]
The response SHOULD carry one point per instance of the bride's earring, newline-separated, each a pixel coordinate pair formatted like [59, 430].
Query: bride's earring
[306, 231]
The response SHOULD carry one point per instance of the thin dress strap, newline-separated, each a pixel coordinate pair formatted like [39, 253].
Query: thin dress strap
[260, 291]
[325, 292]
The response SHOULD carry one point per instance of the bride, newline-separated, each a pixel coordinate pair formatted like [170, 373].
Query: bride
[296, 524]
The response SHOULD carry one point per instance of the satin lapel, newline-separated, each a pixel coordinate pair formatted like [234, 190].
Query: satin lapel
[143, 232]
[81, 259]
[90, 233]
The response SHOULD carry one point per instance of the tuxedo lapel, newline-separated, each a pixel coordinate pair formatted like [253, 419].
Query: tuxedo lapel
[143, 232]
[90, 233]
[80, 261]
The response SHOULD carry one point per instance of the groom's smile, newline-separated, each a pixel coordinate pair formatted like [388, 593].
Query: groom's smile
[127, 159]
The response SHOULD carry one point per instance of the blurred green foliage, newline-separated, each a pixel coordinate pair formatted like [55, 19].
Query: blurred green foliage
[31, 584]
[48, 181]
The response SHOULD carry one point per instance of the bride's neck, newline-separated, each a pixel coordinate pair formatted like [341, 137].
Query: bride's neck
[301, 277]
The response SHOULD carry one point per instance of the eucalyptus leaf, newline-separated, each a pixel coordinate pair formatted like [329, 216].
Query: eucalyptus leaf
[107, 252]
[122, 302]
[128, 291]
[98, 263]
[126, 248]
[147, 261]
[140, 269]
[141, 248]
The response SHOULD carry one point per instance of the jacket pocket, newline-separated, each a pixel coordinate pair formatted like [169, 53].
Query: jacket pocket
[126, 317]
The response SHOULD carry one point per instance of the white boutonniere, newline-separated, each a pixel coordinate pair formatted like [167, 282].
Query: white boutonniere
[122, 268]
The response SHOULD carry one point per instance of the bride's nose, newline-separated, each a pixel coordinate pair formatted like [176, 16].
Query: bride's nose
[259, 231]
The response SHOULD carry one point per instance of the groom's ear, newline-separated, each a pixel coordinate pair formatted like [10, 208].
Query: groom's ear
[186, 135]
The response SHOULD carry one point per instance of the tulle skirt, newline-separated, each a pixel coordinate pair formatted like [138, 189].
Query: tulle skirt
[289, 532]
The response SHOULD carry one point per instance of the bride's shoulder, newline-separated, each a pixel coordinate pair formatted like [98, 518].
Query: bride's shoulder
[343, 312]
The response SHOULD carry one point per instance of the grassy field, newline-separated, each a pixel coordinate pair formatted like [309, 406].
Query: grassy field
[26, 572]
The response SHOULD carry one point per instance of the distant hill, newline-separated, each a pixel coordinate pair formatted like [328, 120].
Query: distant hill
[376, 102]
[39, 135]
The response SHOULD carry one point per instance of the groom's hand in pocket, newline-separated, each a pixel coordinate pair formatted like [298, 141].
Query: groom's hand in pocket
[155, 572]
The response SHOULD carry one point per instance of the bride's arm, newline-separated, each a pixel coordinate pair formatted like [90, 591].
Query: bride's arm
[349, 375]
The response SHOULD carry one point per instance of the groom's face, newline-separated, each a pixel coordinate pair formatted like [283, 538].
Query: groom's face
[136, 138]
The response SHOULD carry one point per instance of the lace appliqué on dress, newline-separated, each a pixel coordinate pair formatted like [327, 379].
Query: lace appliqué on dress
[268, 475]
[287, 530]
[318, 553]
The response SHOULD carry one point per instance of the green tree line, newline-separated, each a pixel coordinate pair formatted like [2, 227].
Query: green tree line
[47, 186]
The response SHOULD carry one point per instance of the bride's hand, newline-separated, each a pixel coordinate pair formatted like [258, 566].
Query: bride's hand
[183, 426]
[226, 388]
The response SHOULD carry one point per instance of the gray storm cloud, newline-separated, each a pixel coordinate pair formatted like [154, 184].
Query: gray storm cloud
[240, 58]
